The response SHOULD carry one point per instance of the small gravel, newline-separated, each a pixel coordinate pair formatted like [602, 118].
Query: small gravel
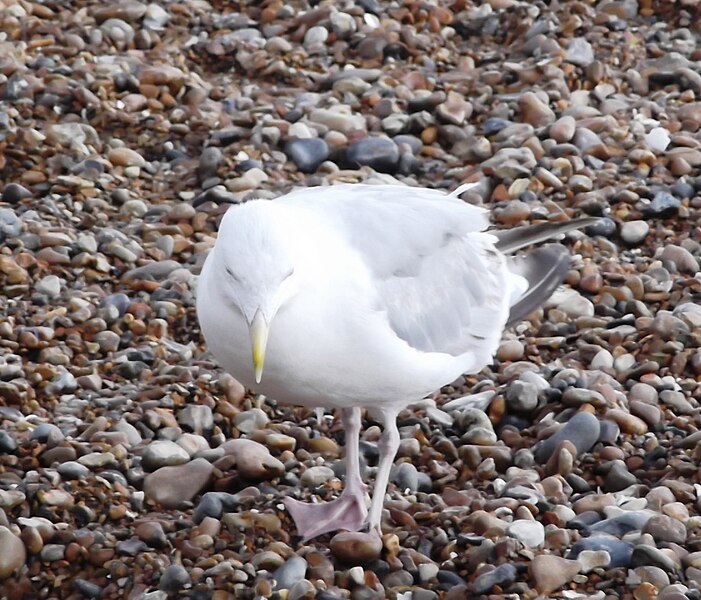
[133, 466]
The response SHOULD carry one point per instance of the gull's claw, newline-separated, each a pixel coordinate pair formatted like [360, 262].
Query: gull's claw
[347, 512]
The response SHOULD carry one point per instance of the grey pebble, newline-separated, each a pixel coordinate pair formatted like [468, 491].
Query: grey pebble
[405, 477]
[618, 478]
[663, 205]
[87, 588]
[317, 475]
[162, 453]
[288, 574]
[502, 576]
[196, 417]
[644, 555]
[251, 420]
[156, 270]
[605, 227]
[8, 444]
[609, 432]
[634, 232]
[666, 529]
[52, 552]
[14, 193]
[10, 224]
[521, 396]
[582, 430]
[579, 52]
[382, 154]
[72, 470]
[49, 285]
[477, 427]
[131, 547]
[108, 341]
[174, 579]
[683, 260]
[210, 159]
[47, 432]
[307, 154]
[214, 504]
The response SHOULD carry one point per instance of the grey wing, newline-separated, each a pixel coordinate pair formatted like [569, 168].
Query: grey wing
[457, 301]
[439, 279]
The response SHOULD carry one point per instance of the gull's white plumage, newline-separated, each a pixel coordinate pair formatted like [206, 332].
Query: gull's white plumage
[375, 296]
[396, 284]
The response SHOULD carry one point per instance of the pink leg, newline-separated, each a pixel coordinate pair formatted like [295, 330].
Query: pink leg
[388, 446]
[348, 511]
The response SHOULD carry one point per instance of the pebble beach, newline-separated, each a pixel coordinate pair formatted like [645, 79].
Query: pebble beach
[133, 467]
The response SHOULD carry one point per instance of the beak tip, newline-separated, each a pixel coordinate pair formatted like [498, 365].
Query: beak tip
[259, 339]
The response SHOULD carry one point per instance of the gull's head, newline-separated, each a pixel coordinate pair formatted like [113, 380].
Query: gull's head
[255, 260]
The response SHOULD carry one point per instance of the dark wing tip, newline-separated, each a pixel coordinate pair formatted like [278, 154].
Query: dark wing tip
[544, 269]
[510, 240]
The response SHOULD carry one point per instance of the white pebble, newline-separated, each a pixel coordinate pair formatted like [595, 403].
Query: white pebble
[658, 139]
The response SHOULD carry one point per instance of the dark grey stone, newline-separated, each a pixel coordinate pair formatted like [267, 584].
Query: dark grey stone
[644, 555]
[663, 205]
[87, 588]
[502, 576]
[406, 477]
[174, 579]
[604, 227]
[582, 430]
[619, 477]
[14, 193]
[494, 125]
[46, 432]
[382, 154]
[8, 444]
[210, 159]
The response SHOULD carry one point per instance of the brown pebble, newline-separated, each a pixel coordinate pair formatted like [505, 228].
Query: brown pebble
[510, 350]
[563, 129]
[253, 460]
[552, 572]
[325, 446]
[356, 547]
[126, 157]
[174, 486]
[32, 540]
[535, 111]
[627, 422]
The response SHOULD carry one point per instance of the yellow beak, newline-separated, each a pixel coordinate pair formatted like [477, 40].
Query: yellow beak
[258, 330]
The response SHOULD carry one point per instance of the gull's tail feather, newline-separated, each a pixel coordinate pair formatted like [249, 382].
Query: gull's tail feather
[510, 240]
[544, 269]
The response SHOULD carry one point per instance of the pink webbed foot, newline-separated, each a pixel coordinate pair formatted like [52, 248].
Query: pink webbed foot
[347, 512]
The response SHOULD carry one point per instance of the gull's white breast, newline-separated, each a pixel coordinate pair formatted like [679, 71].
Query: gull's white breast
[328, 346]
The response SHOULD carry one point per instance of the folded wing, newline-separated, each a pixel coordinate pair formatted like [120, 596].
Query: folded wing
[444, 283]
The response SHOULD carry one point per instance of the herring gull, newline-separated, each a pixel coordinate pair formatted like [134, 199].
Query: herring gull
[373, 296]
